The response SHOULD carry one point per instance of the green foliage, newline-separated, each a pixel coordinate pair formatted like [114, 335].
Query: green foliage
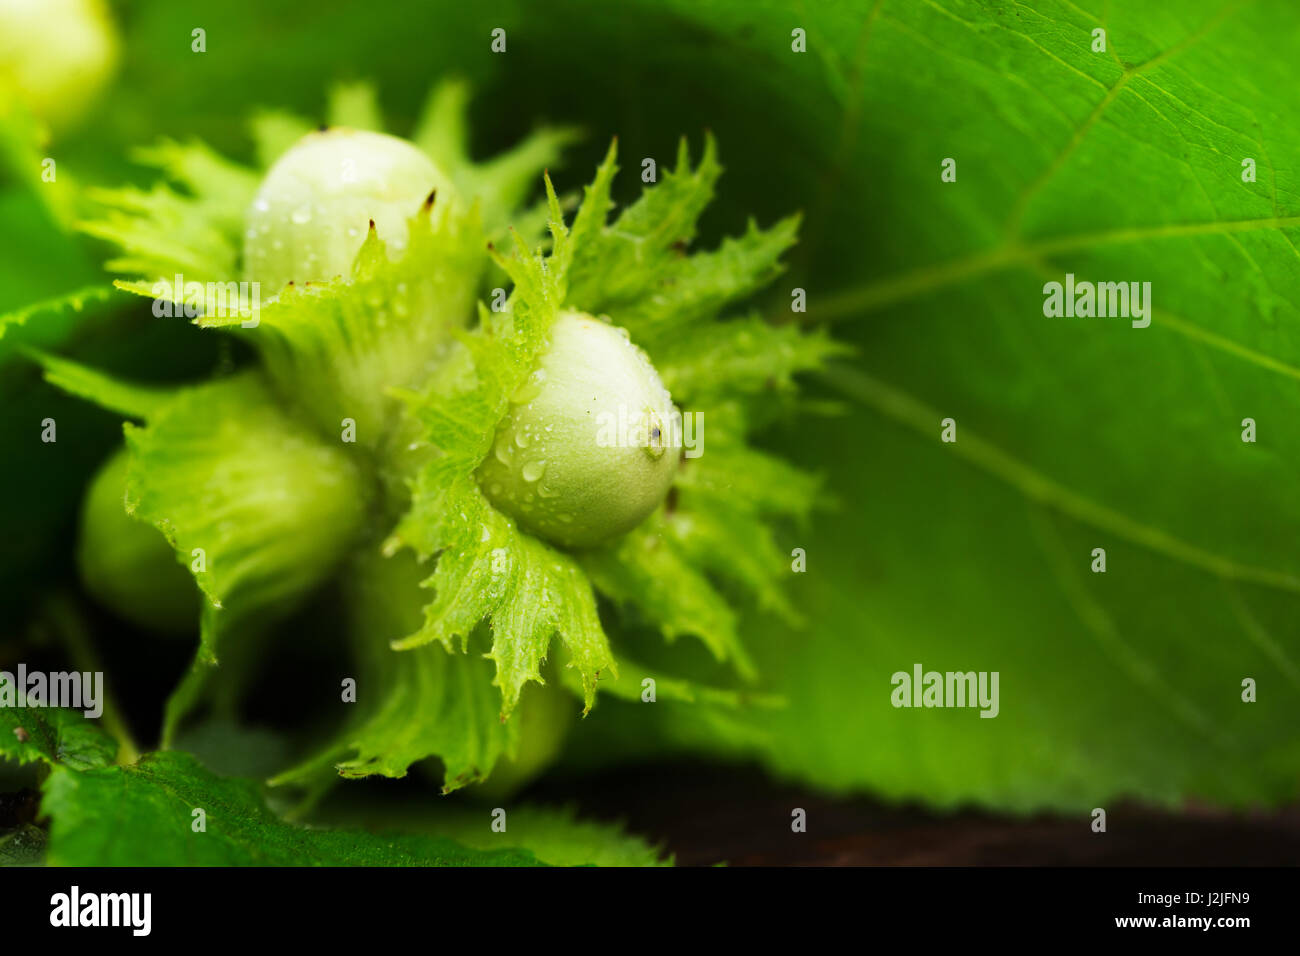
[258, 508]
[144, 815]
[430, 701]
[22, 846]
[1122, 164]
[555, 835]
[500, 184]
[336, 349]
[248, 483]
[529, 590]
[125, 398]
[189, 225]
[1072, 434]
[53, 736]
[90, 300]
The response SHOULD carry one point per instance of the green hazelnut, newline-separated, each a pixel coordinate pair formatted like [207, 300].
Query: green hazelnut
[312, 212]
[546, 714]
[56, 56]
[585, 452]
[127, 565]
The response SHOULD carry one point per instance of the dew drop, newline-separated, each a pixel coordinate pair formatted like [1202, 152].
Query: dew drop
[534, 469]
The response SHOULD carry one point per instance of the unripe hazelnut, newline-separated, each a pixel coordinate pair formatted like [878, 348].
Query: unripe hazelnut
[559, 464]
[312, 212]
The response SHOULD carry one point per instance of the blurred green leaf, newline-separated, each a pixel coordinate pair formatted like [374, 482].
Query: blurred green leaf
[554, 834]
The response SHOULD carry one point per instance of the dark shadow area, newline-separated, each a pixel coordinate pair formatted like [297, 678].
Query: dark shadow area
[706, 815]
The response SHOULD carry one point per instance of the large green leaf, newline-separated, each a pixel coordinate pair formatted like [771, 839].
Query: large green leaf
[169, 810]
[146, 814]
[1072, 434]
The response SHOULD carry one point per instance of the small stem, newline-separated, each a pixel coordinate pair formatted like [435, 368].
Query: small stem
[316, 790]
[71, 632]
